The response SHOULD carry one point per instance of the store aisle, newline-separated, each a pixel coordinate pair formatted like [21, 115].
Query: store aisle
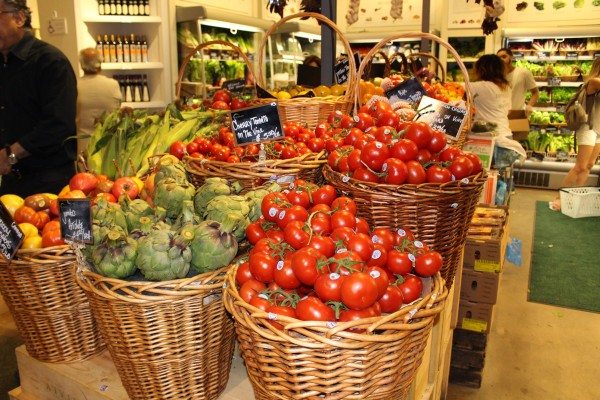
[535, 351]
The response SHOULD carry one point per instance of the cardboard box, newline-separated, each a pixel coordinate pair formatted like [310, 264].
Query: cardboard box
[518, 123]
[467, 358]
[487, 254]
[469, 340]
[470, 377]
[476, 317]
[480, 287]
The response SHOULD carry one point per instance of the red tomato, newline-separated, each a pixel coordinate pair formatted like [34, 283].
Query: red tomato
[107, 196]
[416, 173]
[284, 275]
[323, 244]
[293, 213]
[262, 266]
[342, 234]
[343, 218]
[420, 133]
[346, 262]
[220, 105]
[428, 264]
[204, 145]
[296, 235]
[395, 171]
[313, 309]
[260, 302]
[411, 288]
[391, 301]
[362, 226]
[322, 128]
[400, 262]
[374, 155]
[177, 149]
[255, 232]
[250, 289]
[461, 167]
[84, 181]
[362, 245]
[423, 156]
[321, 224]
[477, 165]
[344, 203]
[354, 160]
[437, 174]
[363, 174]
[378, 257]
[226, 137]
[192, 147]
[125, 185]
[450, 153]
[237, 103]
[385, 134]
[359, 291]
[353, 136]
[381, 278]
[243, 274]
[299, 198]
[272, 204]
[324, 195]
[384, 237]
[364, 121]
[281, 310]
[437, 142]
[305, 265]
[316, 144]
[222, 95]
[404, 150]
[329, 286]
[388, 118]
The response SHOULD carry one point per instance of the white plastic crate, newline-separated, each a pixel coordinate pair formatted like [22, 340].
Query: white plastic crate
[579, 202]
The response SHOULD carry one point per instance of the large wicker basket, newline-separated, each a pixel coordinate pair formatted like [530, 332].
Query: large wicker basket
[366, 61]
[51, 312]
[311, 111]
[439, 214]
[168, 340]
[374, 358]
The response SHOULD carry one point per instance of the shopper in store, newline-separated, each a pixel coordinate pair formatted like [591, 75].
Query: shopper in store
[587, 136]
[97, 94]
[521, 81]
[491, 98]
[38, 95]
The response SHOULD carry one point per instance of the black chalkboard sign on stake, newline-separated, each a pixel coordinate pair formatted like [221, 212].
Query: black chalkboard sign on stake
[341, 71]
[409, 90]
[256, 124]
[76, 220]
[11, 236]
[441, 116]
[234, 85]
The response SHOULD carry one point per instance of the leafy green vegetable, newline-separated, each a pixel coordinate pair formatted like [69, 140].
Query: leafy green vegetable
[596, 3]
[557, 5]
[578, 3]
[538, 5]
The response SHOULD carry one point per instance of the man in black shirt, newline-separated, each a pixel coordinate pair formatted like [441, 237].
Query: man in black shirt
[38, 95]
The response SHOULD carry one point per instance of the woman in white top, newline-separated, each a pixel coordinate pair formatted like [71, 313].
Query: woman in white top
[587, 136]
[492, 100]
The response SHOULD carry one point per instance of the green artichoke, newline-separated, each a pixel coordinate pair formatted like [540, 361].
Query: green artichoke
[212, 245]
[134, 209]
[115, 255]
[108, 214]
[212, 188]
[99, 232]
[170, 167]
[170, 195]
[256, 197]
[234, 209]
[164, 255]
[187, 216]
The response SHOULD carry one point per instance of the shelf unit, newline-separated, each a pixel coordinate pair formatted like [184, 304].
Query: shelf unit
[89, 24]
[474, 36]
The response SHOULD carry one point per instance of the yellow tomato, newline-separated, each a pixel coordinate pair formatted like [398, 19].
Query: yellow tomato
[50, 196]
[283, 95]
[12, 202]
[33, 242]
[64, 191]
[28, 229]
[138, 182]
[338, 90]
[322, 91]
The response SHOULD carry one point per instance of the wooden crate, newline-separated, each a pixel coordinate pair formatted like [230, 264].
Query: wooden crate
[473, 359]
[470, 377]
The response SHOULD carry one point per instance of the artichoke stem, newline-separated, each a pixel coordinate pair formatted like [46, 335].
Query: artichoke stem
[229, 223]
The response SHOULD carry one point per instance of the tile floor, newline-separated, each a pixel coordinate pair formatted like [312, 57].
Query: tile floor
[535, 351]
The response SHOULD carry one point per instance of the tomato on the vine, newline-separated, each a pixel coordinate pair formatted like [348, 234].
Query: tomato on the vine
[416, 173]
[428, 264]
[311, 308]
[374, 154]
[420, 133]
[262, 266]
[329, 286]
[391, 301]
[461, 167]
[438, 174]
[411, 288]
[400, 262]
[250, 289]
[404, 150]
[284, 275]
[359, 291]
[243, 274]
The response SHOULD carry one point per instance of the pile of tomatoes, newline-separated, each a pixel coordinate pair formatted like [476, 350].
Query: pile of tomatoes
[376, 146]
[313, 259]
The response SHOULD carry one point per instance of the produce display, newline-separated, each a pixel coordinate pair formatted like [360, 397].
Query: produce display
[541, 68]
[314, 260]
[546, 118]
[542, 141]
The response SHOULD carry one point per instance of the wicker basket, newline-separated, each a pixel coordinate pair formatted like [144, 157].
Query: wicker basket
[439, 214]
[437, 63]
[311, 111]
[374, 358]
[200, 48]
[168, 340]
[423, 35]
[51, 312]
[255, 174]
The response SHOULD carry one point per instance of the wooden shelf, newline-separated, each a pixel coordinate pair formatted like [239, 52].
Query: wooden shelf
[132, 66]
[144, 104]
[122, 19]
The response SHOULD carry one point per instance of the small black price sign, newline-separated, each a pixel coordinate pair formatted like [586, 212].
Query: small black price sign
[234, 85]
[554, 81]
[341, 71]
[543, 54]
[263, 94]
[11, 236]
[441, 116]
[256, 124]
[571, 55]
[518, 55]
[76, 220]
[410, 90]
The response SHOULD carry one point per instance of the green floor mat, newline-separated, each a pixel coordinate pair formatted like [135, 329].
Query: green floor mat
[565, 260]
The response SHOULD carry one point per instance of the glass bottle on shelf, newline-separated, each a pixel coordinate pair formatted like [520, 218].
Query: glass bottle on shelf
[145, 94]
[119, 7]
[99, 45]
[106, 49]
[112, 48]
[138, 48]
[106, 7]
[101, 7]
[144, 49]
[128, 97]
[113, 7]
[119, 49]
[134, 9]
[138, 88]
[146, 7]
[126, 50]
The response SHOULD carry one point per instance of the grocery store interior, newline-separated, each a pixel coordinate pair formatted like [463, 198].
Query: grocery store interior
[508, 345]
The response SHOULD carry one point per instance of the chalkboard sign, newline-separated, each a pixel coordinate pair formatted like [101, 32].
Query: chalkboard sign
[256, 124]
[11, 236]
[376, 70]
[518, 55]
[410, 90]
[76, 220]
[553, 81]
[341, 71]
[263, 94]
[441, 116]
[308, 76]
[572, 55]
[234, 85]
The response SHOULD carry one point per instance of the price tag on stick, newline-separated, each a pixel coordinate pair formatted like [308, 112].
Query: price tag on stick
[234, 85]
[11, 237]
[441, 116]
[341, 71]
[409, 90]
[76, 220]
[256, 124]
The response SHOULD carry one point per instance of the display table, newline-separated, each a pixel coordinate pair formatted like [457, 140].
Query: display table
[97, 378]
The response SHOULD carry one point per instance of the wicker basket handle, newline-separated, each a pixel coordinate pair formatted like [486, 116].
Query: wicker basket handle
[352, 74]
[438, 63]
[203, 46]
[404, 61]
[386, 69]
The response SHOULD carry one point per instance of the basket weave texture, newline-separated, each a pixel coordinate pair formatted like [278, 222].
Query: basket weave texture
[168, 340]
[255, 174]
[579, 202]
[51, 312]
[438, 214]
[374, 358]
[311, 111]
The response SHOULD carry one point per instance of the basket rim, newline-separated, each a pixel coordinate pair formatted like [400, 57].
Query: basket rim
[473, 180]
[43, 255]
[385, 328]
